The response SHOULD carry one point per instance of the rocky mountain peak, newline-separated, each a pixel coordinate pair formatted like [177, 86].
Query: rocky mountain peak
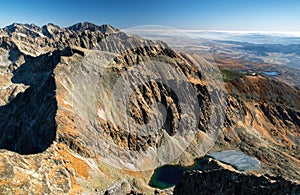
[22, 28]
[50, 30]
[105, 29]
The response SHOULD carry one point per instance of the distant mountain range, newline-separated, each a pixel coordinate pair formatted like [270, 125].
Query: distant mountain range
[285, 38]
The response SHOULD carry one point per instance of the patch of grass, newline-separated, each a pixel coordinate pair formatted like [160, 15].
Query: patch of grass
[229, 75]
[163, 59]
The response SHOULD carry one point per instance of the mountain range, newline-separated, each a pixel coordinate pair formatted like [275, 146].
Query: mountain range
[61, 134]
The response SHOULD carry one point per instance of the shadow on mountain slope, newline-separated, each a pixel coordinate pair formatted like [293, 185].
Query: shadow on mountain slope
[27, 122]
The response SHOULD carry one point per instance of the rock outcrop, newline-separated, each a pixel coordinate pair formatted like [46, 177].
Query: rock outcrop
[219, 180]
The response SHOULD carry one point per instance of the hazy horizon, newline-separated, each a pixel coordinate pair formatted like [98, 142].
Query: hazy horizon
[227, 15]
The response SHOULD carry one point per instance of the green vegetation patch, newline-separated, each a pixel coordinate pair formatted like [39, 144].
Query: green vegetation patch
[229, 75]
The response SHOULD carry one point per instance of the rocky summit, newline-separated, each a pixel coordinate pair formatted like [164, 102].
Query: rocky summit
[77, 106]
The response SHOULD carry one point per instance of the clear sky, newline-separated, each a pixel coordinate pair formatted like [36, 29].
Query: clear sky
[253, 15]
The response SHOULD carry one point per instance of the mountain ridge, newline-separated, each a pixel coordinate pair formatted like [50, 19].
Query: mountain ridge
[81, 26]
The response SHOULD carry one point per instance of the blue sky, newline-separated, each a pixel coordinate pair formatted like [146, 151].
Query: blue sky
[253, 15]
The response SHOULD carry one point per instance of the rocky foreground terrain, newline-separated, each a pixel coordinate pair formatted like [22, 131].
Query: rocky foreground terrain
[219, 178]
[60, 134]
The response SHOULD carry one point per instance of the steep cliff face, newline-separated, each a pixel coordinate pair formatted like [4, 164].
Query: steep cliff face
[57, 88]
[28, 120]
